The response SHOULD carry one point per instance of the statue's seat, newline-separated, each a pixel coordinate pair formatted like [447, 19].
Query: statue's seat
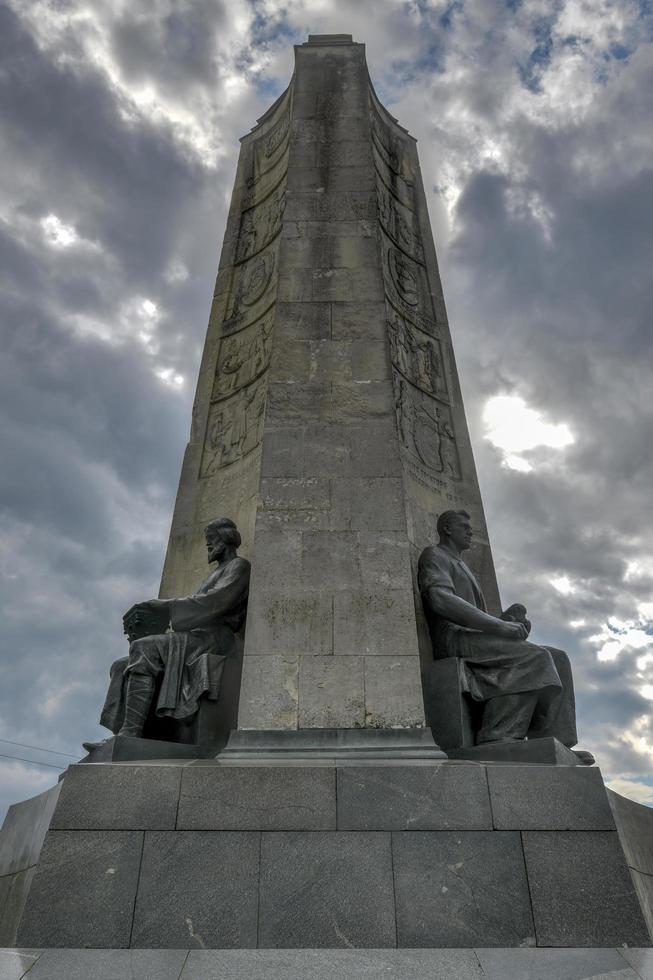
[208, 729]
[451, 713]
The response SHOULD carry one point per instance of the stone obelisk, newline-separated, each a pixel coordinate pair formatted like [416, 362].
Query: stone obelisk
[328, 420]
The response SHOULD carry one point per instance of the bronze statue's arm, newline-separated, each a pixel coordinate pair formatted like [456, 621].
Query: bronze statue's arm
[450, 606]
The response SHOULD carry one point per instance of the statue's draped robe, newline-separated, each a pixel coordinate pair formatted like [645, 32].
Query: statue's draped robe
[494, 666]
[190, 658]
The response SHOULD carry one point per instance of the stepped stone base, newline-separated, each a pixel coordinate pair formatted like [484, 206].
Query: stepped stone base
[331, 745]
[126, 748]
[326, 964]
[548, 751]
[437, 854]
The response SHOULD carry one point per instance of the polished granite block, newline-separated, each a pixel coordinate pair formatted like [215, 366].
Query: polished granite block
[118, 797]
[197, 889]
[257, 798]
[548, 798]
[581, 890]
[438, 797]
[460, 889]
[326, 889]
[84, 889]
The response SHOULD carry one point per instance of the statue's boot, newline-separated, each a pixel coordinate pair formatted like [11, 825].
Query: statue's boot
[140, 691]
[585, 758]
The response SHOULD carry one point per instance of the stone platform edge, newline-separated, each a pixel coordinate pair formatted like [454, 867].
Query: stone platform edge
[326, 964]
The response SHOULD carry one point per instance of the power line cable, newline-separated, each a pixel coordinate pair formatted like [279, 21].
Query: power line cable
[16, 758]
[37, 748]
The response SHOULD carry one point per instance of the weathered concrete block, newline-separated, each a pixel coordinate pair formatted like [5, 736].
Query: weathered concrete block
[330, 558]
[297, 403]
[291, 361]
[548, 798]
[438, 797]
[84, 890]
[339, 285]
[269, 692]
[581, 890]
[326, 889]
[283, 452]
[367, 503]
[329, 361]
[277, 558]
[301, 502]
[393, 692]
[118, 797]
[461, 888]
[377, 623]
[375, 448]
[327, 449]
[290, 623]
[303, 321]
[257, 798]
[359, 321]
[370, 361]
[360, 401]
[384, 560]
[179, 870]
[331, 693]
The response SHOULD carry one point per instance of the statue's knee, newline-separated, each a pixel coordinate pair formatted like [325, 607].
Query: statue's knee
[559, 656]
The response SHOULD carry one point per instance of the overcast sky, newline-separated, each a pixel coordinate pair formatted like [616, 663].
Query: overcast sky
[120, 126]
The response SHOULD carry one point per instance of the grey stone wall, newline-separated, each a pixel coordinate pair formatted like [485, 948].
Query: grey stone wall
[363, 856]
[21, 840]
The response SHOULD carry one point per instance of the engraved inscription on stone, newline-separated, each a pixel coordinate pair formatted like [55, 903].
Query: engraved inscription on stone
[243, 357]
[426, 430]
[235, 428]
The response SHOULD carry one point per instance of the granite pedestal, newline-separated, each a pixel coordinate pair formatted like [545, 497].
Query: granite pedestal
[341, 854]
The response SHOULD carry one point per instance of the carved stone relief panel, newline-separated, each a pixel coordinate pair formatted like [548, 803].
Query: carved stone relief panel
[259, 185]
[426, 432]
[261, 224]
[399, 223]
[392, 181]
[392, 149]
[405, 283]
[252, 290]
[417, 356]
[243, 357]
[234, 429]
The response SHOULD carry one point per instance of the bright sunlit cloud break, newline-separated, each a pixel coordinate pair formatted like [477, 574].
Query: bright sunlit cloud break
[515, 428]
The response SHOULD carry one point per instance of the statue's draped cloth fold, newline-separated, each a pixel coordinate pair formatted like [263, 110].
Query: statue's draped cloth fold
[190, 658]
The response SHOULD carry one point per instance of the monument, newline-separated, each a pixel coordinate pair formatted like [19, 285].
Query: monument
[331, 834]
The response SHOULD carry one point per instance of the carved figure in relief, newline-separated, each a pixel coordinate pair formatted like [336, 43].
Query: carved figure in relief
[425, 431]
[178, 647]
[393, 150]
[526, 690]
[404, 276]
[416, 358]
[234, 429]
[242, 359]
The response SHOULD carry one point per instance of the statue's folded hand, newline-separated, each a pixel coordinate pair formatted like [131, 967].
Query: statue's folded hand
[512, 631]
